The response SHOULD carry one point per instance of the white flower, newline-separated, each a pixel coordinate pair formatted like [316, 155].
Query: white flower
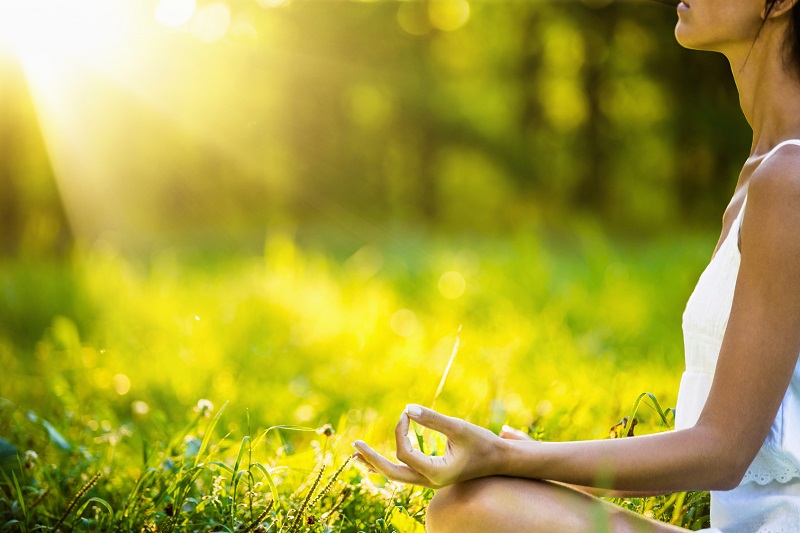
[30, 459]
[204, 407]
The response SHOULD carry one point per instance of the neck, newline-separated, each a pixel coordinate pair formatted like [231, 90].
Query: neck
[769, 90]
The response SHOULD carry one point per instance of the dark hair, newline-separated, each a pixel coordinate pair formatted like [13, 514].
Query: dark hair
[792, 43]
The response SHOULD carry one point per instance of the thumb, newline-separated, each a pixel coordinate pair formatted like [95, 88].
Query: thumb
[429, 418]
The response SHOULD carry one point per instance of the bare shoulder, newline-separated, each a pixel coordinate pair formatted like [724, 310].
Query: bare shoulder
[773, 200]
[779, 175]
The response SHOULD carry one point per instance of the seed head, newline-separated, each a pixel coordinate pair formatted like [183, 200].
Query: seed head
[31, 457]
[326, 430]
[204, 407]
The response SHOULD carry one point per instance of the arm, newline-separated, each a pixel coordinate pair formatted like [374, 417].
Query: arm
[758, 356]
[666, 462]
[515, 434]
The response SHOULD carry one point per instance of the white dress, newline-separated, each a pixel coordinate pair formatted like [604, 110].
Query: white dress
[768, 498]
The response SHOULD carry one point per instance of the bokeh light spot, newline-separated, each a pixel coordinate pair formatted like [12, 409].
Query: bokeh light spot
[304, 413]
[140, 408]
[122, 384]
[413, 18]
[566, 106]
[211, 22]
[272, 3]
[404, 323]
[452, 285]
[448, 15]
[174, 13]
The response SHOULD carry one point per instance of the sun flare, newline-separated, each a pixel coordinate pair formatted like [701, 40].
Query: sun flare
[51, 30]
[62, 47]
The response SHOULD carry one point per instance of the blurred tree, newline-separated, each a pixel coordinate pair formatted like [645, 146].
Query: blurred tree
[471, 115]
[32, 218]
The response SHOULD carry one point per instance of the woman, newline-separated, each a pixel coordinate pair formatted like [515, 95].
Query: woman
[738, 414]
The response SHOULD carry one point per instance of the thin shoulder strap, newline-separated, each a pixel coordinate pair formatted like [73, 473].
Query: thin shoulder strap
[796, 142]
[740, 216]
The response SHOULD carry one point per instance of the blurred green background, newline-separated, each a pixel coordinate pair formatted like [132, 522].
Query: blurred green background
[293, 205]
[316, 185]
[360, 118]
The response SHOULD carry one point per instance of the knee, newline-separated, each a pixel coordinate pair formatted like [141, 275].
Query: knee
[461, 507]
[444, 504]
[507, 504]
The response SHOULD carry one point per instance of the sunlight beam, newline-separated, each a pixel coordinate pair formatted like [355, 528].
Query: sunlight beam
[62, 46]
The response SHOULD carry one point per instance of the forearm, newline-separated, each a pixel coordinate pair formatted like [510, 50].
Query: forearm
[691, 459]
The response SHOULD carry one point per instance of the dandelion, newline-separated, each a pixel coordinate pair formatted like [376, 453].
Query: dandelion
[204, 407]
[326, 430]
[30, 459]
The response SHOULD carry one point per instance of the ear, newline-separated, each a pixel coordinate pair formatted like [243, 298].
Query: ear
[779, 9]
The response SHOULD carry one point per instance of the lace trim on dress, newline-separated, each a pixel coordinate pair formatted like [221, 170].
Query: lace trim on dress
[770, 465]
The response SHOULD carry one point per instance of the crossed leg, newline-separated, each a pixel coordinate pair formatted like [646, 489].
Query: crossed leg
[500, 504]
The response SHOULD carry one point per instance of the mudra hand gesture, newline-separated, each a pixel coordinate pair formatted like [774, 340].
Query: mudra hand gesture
[471, 452]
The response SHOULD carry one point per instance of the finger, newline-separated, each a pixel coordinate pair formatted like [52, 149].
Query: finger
[363, 460]
[391, 470]
[396, 472]
[405, 452]
[360, 459]
[513, 434]
[429, 418]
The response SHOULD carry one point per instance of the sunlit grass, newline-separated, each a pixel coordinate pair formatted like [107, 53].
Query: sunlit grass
[113, 355]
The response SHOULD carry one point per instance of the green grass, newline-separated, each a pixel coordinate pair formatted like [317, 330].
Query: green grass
[106, 358]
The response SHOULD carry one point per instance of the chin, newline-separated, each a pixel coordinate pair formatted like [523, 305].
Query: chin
[684, 37]
[681, 35]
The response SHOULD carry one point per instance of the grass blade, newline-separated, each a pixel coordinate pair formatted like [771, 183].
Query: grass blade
[447, 368]
[207, 436]
[656, 406]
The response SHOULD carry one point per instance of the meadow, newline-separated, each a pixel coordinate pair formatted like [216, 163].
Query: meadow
[220, 391]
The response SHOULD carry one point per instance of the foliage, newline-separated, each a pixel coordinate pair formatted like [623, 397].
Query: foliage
[302, 339]
[355, 113]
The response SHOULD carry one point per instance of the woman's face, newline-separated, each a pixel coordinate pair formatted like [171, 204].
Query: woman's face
[718, 25]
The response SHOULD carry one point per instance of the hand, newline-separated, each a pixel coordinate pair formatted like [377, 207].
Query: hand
[471, 452]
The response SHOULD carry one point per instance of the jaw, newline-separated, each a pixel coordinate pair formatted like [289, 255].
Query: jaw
[719, 26]
[740, 43]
